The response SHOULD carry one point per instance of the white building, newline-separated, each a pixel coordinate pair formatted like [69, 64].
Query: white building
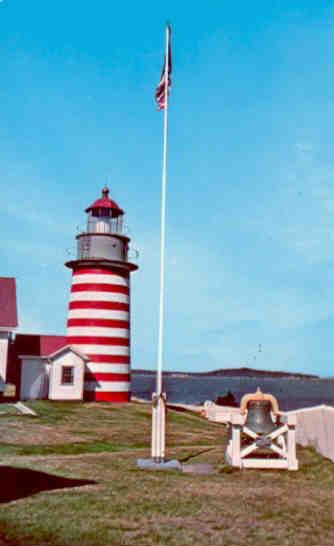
[49, 368]
[8, 324]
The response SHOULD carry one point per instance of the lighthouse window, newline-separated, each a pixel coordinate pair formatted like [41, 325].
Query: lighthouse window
[67, 375]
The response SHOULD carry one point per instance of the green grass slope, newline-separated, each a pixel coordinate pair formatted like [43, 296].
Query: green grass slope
[122, 505]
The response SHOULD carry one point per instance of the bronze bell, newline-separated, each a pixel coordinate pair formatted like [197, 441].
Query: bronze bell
[259, 417]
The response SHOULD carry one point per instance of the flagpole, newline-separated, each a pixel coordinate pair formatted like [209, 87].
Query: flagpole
[159, 401]
[163, 225]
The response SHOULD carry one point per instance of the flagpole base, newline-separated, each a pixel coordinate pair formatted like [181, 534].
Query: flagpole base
[151, 464]
[158, 437]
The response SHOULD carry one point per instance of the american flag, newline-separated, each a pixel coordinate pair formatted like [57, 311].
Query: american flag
[160, 92]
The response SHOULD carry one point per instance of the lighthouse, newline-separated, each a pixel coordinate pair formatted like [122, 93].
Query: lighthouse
[99, 309]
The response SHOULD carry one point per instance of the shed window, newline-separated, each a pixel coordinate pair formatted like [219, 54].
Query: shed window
[67, 375]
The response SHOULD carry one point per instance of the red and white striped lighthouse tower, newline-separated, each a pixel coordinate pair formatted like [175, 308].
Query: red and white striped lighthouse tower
[99, 309]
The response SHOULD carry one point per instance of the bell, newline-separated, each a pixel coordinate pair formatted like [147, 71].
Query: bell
[259, 417]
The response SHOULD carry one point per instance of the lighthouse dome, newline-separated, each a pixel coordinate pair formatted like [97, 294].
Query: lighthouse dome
[104, 206]
[104, 215]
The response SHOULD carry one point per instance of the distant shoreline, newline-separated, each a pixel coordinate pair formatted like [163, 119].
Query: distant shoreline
[232, 372]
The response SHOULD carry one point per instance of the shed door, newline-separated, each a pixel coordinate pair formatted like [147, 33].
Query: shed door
[34, 380]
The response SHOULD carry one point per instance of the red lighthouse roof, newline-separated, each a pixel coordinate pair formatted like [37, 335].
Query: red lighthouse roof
[8, 307]
[105, 202]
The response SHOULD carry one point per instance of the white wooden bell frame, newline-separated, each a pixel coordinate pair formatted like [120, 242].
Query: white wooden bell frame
[280, 444]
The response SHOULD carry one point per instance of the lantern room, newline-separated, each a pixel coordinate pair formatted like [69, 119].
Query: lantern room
[103, 238]
[104, 215]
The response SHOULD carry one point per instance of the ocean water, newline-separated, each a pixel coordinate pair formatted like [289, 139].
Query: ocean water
[291, 393]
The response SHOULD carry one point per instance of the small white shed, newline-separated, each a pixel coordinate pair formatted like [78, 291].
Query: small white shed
[67, 374]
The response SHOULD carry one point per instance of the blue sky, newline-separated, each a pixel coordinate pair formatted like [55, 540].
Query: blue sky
[250, 231]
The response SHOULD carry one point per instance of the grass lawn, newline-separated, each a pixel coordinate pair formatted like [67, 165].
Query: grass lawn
[68, 477]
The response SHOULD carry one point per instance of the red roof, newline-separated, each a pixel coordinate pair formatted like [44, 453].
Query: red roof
[106, 203]
[38, 345]
[8, 307]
